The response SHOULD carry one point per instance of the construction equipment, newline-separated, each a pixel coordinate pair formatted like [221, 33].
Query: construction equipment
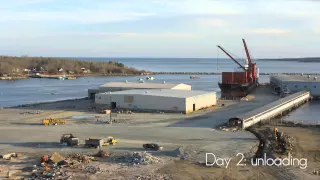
[53, 121]
[110, 141]
[152, 146]
[93, 143]
[70, 140]
[276, 134]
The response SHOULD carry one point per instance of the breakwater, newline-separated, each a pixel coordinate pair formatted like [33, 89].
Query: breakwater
[219, 73]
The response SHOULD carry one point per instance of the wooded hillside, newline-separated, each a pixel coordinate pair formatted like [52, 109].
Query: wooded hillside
[21, 65]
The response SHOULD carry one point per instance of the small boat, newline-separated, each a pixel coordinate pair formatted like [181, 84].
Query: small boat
[150, 78]
[194, 77]
[71, 78]
[140, 80]
[62, 78]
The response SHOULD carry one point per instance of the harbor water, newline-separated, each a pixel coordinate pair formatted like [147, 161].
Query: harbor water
[26, 91]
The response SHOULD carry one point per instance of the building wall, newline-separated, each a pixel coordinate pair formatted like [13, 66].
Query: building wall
[200, 102]
[92, 92]
[296, 86]
[184, 105]
[313, 87]
[149, 102]
[102, 99]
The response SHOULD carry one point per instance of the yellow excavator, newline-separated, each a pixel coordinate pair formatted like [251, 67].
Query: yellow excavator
[110, 141]
[53, 121]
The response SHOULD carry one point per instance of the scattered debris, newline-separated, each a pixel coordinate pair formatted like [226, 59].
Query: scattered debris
[284, 142]
[137, 158]
[54, 166]
[31, 112]
[56, 158]
[103, 153]
[11, 155]
[316, 172]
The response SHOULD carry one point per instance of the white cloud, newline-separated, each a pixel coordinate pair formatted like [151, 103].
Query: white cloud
[156, 35]
[212, 22]
[270, 31]
[199, 7]
[85, 17]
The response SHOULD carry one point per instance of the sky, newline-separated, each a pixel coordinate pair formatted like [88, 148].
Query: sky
[159, 28]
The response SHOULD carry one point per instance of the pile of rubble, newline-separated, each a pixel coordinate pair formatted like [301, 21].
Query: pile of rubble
[103, 153]
[186, 153]
[54, 166]
[31, 112]
[285, 142]
[137, 158]
[11, 155]
[153, 176]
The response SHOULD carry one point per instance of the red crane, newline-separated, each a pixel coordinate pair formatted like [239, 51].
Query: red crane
[247, 51]
[231, 57]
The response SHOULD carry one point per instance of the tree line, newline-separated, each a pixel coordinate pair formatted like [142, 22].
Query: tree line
[12, 65]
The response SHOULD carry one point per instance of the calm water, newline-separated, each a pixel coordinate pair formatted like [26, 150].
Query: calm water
[210, 65]
[19, 92]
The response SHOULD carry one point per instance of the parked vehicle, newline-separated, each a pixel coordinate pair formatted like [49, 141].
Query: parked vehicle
[53, 121]
[152, 146]
[94, 143]
[70, 140]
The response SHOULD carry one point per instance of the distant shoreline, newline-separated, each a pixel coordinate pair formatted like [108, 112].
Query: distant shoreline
[316, 59]
[153, 73]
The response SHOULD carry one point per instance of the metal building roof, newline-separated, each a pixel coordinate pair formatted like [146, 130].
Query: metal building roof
[297, 78]
[141, 85]
[164, 92]
[268, 106]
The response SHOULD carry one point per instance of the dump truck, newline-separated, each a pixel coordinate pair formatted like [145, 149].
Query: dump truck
[70, 140]
[110, 141]
[94, 143]
[53, 121]
[152, 146]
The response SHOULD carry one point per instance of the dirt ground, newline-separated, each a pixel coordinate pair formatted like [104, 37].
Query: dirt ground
[21, 132]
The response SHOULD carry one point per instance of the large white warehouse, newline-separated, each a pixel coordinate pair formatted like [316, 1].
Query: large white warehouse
[296, 83]
[157, 99]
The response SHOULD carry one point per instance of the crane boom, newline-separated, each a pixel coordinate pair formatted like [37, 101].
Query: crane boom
[232, 58]
[247, 51]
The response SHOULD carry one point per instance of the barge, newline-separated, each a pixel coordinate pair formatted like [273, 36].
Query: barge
[242, 81]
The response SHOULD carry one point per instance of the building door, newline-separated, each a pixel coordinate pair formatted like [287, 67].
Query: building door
[113, 105]
[194, 107]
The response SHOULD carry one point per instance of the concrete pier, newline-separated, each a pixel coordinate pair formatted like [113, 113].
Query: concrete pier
[271, 110]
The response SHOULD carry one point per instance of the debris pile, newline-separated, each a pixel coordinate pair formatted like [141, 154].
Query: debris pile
[103, 153]
[80, 158]
[11, 155]
[153, 176]
[54, 166]
[31, 112]
[137, 158]
[186, 153]
[316, 172]
[285, 142]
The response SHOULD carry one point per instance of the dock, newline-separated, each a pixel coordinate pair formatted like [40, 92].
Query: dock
[270, 111]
